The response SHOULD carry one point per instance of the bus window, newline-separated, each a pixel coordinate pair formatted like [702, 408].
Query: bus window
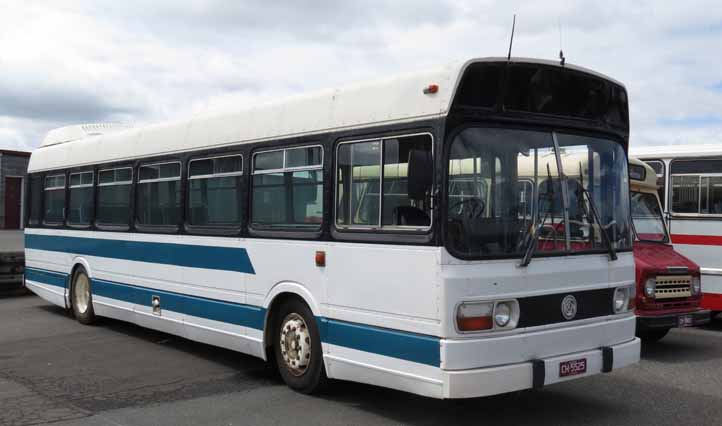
[288, 189]
[159, 194]
[54, 201]
[114, 196]
[36, 200]
[697, 187]
[80, 207]
[403, 173]
[214, 191]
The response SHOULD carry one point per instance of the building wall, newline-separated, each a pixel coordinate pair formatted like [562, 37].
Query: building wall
[10, 165]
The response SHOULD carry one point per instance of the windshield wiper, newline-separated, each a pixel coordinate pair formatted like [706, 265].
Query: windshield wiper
[533, 236]
[595, 215]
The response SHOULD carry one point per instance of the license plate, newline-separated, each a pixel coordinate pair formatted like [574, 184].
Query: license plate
[684, 321]
[573, 367]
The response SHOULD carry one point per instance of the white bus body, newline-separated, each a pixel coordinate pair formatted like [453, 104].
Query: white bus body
[690, 182]
[387, 298]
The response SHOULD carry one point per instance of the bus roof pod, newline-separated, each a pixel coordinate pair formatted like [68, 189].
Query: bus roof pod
[81, 131]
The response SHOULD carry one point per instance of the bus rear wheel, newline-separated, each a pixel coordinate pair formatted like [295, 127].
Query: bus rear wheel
[82, 297]
[297, 347]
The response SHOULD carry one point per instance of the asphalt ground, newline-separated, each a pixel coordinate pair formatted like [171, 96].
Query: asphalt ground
[55, 371]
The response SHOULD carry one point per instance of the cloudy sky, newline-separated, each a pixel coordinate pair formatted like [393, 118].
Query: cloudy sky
[69, 62]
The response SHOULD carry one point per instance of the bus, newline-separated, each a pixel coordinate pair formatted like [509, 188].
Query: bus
[689, 178]
[379, 233]
[669, 288]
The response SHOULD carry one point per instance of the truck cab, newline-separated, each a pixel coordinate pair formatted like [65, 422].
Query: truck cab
[669, 288]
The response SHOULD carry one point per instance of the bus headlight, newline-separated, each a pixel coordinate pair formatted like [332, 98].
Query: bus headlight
[502, 314]
[650, 287]
[696, 285]
[481, 316]
[622, 298]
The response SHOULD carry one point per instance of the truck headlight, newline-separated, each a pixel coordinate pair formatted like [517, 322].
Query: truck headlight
[696, 285]
[650, 287]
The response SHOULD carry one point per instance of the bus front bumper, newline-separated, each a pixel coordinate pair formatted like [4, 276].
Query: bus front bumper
[539, 372]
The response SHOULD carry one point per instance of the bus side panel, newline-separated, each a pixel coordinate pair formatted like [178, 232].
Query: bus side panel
[701, 241]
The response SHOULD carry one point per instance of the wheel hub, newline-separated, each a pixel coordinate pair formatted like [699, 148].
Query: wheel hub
[82, 293]
[295, 344]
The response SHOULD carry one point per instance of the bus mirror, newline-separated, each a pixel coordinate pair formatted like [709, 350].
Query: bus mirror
[420, 174]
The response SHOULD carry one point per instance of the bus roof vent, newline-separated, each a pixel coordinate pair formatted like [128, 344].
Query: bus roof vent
[81, 131]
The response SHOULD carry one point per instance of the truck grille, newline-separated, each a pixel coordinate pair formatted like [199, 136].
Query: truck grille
[673, 286]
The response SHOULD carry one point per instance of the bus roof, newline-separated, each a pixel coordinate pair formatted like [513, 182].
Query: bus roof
[676, 151]
[390, 100]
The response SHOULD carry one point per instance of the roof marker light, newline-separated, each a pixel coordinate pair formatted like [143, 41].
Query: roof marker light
[431, 89]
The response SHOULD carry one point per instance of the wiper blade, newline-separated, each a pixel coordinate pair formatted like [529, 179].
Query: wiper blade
[535, 231]
[595, 214]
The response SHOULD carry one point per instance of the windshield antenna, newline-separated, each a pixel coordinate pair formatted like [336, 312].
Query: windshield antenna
[562, 59]
[511, 41]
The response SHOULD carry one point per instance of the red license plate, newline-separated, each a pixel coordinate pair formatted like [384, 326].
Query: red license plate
[573, 367]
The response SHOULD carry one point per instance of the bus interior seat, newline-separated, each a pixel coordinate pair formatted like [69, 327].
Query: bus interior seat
[419, 178]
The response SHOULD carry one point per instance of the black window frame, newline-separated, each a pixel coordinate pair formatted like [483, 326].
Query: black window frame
[219, 230]
[159, 229]
[287, 231]
[31, 208]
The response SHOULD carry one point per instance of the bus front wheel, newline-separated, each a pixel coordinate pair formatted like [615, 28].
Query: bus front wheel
[82, 297]
[297, 347]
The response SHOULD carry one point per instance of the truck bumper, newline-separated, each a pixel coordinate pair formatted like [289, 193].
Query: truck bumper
[537, 373]
[687, 319]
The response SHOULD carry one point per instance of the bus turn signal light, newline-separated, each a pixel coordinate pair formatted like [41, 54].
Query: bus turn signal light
[320, 258]
[475, 316]
[431, 89]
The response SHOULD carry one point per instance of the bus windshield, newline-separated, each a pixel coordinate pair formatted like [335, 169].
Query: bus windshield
[506, 185]
[647, 218]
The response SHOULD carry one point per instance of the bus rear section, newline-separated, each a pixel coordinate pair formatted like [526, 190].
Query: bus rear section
[669, 288]
[690, 189]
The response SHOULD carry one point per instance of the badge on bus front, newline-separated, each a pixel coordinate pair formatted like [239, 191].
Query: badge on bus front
[569, 307]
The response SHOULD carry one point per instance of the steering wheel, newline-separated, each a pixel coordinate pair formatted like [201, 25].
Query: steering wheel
[470, 208]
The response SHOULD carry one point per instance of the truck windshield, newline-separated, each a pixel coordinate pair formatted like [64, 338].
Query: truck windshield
[647, 218]
[504, 185]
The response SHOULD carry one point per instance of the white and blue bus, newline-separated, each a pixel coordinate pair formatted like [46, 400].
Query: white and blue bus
[417, 232]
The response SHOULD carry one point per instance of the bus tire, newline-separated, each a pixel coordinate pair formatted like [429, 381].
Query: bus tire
[297, 347]
[81, 297]
[652, 336]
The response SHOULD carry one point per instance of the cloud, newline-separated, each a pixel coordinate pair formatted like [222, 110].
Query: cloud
[79, 61]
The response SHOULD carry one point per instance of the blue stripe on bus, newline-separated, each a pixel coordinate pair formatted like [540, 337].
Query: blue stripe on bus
[394, 343]
[404, 345]
[193, 256]
[57, 279]
[201, 307]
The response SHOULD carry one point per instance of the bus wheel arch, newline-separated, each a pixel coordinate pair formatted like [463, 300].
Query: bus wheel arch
[292, 342]
[278, 295]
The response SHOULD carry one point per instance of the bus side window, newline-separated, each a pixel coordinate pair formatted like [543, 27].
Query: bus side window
[288, 189]
[113, 202]
[54, 199]
[389, 190]
[36, 200]
[214, 191]
[80, 204]
[697, 187]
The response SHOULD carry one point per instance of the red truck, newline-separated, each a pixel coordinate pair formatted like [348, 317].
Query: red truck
[669, 289]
